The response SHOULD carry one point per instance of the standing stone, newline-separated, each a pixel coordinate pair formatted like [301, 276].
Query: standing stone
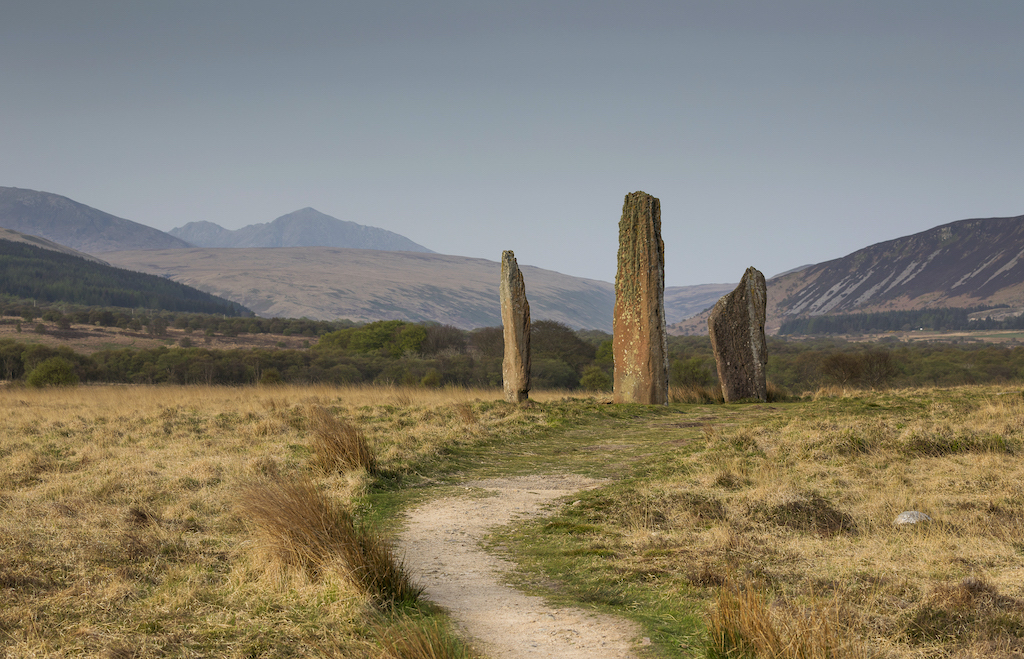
[641, 354]
[515, 317]
[736, 326]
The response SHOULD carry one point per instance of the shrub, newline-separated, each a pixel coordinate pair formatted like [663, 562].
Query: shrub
[269, 376]
[595, 379]
[690, 372]
[555, 341]
[432, 378]
[53, 372]
[552, 374]
[442, 338]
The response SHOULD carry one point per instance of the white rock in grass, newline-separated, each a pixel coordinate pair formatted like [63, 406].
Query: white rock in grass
[911, 517]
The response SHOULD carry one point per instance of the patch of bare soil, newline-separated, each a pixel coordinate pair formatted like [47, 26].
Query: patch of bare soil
[442, 549]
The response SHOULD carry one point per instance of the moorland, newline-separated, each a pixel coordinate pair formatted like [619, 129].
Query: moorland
[139, 521]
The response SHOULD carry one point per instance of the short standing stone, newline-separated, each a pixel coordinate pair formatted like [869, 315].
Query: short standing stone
[639, 347]
[515, 318]
[911, 517]
[736, 326]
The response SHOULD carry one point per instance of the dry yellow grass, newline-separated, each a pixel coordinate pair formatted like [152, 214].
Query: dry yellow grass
[121, 533]
[799, 506]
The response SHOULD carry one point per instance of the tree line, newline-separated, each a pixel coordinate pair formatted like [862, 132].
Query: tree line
[951, 318]
[157, 322]
[432, 355]
[384, 352]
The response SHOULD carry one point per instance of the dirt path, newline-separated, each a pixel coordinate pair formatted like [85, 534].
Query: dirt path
[441, 546]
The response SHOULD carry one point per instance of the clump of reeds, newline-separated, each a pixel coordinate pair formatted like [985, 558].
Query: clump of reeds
[421, 638]
[778, 394]
[711, 394]
[338, 445]
[307, 529]
[742, 625]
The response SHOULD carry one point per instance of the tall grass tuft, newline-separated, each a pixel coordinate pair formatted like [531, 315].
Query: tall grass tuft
[696, 394]
[309, 530]
[743, 627]
[338, 445]
[421, 638]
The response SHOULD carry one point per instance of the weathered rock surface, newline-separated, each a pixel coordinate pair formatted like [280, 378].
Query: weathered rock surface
[908, 517]
[515, 318]
[641, 354]
[736, 326]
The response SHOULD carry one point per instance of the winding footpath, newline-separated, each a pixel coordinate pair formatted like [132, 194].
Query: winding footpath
[441, 547]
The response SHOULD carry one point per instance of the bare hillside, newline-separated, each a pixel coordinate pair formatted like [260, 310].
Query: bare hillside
[327, 283]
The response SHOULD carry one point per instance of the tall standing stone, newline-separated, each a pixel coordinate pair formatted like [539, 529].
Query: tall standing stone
[515, 318]
[641, 354]
[736, 326]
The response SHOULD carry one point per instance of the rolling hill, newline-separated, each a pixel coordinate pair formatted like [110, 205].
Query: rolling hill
[326, 283]
[76, 225]
[303, 228]
[364, 285]
[969, 263]
[371, 274]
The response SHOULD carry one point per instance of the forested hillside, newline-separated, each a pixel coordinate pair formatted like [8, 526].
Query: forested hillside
[43, 275]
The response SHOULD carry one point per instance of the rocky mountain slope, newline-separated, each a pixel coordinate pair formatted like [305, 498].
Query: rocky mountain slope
[303, 228]
[76, 225]
[961, 264]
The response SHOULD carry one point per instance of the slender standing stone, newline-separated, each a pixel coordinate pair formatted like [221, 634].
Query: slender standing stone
[641, 354]
[515, 318]
[736, 326]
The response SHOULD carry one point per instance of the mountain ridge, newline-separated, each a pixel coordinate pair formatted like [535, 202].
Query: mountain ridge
[306, 227]
[967, 263]
[75, 225]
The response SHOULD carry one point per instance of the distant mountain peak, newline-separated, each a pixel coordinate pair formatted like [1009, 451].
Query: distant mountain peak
[306, 227]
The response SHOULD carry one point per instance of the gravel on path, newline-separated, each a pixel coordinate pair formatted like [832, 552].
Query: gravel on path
[442, 550]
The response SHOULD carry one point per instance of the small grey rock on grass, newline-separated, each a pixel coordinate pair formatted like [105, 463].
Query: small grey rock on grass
[911, 517]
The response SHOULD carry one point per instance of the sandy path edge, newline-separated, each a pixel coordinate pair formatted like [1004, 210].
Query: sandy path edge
[441, 549]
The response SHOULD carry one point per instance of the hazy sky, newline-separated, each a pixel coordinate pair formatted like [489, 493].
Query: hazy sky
[775, 133]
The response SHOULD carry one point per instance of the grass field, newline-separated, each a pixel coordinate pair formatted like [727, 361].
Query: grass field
[128, 526]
